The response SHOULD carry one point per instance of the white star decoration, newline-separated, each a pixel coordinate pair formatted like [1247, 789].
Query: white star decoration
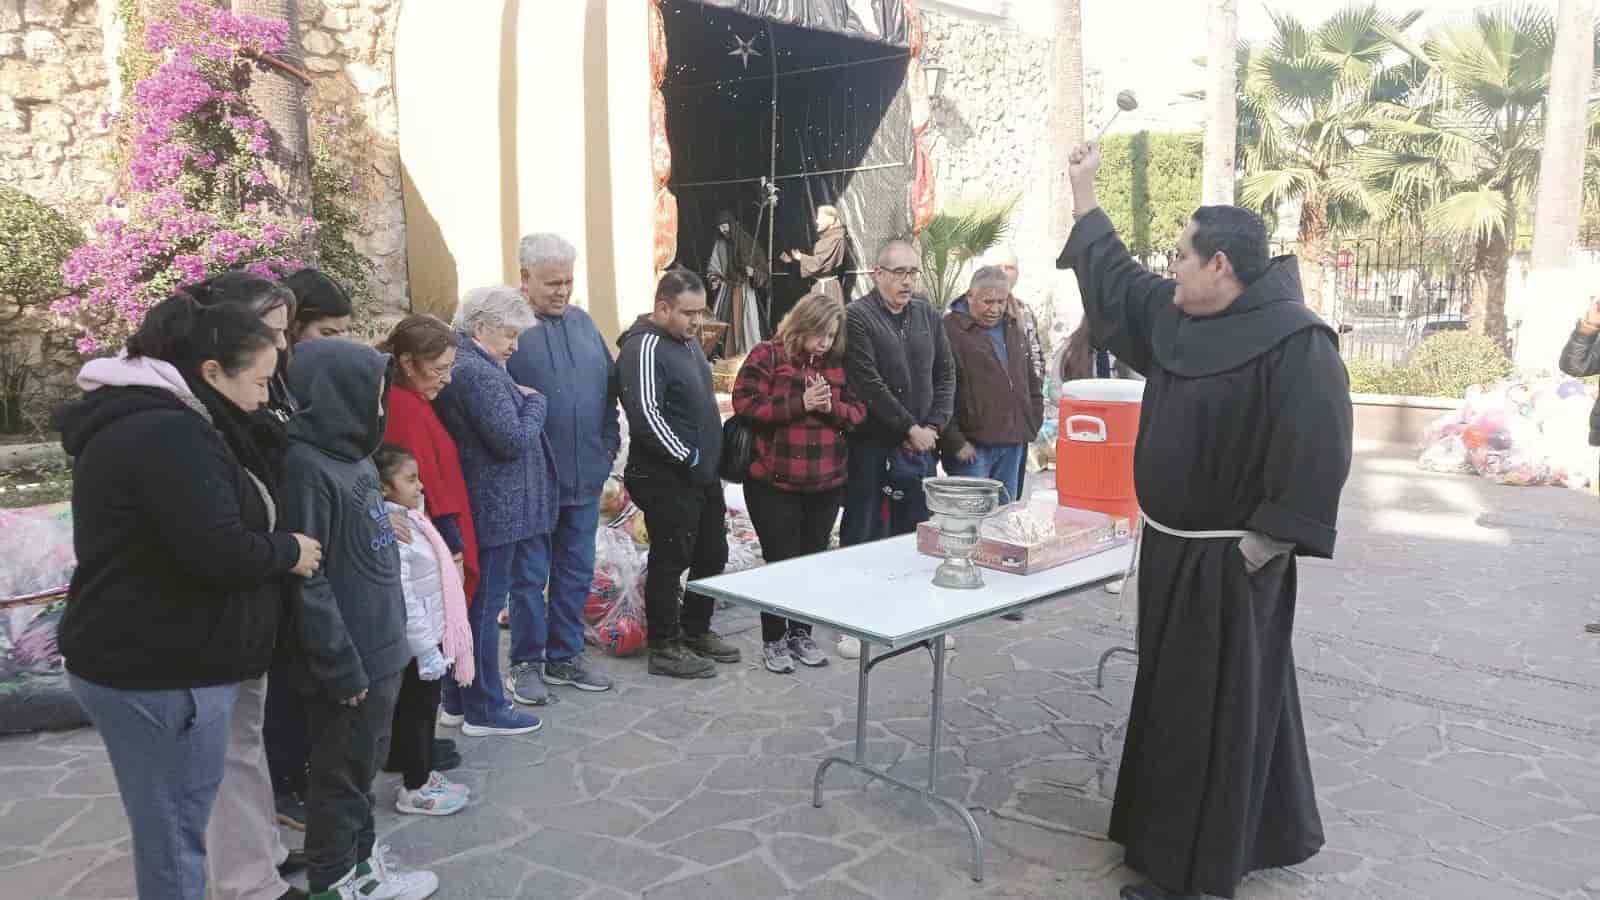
[745, 49]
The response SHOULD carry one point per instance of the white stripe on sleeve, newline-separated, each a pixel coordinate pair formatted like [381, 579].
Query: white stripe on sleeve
[647, 400]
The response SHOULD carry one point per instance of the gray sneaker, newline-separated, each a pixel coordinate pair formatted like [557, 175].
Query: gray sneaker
[803, 648]
[525, 686]
[775, 656]
[575, 672]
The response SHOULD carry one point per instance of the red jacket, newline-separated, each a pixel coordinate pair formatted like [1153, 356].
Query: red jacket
[415, 426]
[796, 450]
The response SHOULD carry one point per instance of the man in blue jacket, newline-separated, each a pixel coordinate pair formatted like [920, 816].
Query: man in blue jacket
[565, 358]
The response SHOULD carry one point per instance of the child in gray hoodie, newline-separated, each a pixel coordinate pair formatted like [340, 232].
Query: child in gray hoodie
[349, 619]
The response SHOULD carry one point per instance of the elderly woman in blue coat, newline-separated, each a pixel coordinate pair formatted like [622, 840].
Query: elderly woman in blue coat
[498, 426]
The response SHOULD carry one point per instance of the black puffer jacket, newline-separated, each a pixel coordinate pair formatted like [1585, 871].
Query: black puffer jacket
[1581, 359]
[179, 581]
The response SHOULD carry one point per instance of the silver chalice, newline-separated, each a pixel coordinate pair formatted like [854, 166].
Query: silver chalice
[959, 506]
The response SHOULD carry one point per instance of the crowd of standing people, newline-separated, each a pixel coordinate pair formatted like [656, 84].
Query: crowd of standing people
[307, 581]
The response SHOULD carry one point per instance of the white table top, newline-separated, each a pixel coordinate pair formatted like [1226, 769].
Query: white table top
[883, 592]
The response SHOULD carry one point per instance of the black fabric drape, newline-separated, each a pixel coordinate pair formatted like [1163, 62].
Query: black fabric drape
[883, 21]
[843, 126]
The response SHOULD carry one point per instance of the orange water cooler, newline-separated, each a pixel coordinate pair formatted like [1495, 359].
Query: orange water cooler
[1094, 445]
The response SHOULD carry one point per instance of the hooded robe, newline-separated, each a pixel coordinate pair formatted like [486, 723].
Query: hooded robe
[1246, 425]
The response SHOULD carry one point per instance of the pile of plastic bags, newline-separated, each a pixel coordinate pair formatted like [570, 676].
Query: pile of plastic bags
[1519, 432]
[38, 563]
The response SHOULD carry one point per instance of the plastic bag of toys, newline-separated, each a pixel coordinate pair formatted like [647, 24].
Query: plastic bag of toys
[1518, 432]
[744, 548]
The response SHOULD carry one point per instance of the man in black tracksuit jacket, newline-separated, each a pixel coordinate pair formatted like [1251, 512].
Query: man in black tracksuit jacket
[674, 447]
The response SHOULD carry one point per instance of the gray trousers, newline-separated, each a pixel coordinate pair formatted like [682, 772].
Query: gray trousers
[348, 745]
[243, 847]
[167, 749]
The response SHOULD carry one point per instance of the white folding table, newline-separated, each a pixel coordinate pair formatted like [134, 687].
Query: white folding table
[883, 594]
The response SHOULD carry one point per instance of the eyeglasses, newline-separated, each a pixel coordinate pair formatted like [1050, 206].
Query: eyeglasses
[903, 273]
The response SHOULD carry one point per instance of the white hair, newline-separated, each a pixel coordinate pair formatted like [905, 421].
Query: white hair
[543, 247]
[990, 276]
[500, 306]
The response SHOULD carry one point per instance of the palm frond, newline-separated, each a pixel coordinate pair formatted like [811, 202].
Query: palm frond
[1267, 190]
[1468, 215]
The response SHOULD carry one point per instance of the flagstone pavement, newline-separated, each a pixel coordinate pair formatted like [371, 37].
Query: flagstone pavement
[1452, 700]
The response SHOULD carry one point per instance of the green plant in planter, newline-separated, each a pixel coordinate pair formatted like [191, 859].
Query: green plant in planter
[953, 238]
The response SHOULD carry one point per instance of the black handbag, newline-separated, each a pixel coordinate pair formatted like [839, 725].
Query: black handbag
[738, 449]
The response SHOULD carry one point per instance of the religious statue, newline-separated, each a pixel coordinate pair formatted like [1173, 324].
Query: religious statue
[736, 275]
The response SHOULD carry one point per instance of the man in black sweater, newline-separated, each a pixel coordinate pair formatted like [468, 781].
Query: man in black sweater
[675, 444]
[898, 362]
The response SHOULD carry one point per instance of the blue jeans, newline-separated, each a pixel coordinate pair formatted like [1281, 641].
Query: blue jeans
[555, 571]
[167, 749]
[484, 701]
[1002, 462]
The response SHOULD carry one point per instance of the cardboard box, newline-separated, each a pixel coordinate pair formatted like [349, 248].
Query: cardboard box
[1078, 533]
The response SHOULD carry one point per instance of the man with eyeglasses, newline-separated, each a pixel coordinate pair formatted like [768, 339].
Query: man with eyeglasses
[564, 358]
[897, 360]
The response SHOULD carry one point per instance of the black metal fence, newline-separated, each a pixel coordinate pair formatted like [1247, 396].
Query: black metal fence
[1385, 293]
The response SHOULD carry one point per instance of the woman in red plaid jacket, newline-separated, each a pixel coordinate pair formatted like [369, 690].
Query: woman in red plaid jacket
[791, 389]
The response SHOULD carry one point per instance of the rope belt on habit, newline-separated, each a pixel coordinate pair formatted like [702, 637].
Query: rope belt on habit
[1220, 535]
[1130, 576]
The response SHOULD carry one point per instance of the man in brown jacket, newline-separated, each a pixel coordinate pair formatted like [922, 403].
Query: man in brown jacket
[999, 394]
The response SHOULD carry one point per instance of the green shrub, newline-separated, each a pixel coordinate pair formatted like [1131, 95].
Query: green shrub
[1444, 366]
[36, 239]
[1450, 362]
[1371, 377]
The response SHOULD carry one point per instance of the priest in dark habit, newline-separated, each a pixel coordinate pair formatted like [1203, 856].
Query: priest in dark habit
[1244, 446]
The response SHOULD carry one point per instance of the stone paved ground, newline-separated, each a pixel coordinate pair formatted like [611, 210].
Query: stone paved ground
[1453, 705]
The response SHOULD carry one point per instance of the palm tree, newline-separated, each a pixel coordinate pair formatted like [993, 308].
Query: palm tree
[1558, 212]
[1304, 108]
[1222, 114]
[952, 239]
[1463, 157]
[1066, 108]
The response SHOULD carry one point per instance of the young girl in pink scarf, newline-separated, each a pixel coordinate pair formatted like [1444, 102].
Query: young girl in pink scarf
[436, 628]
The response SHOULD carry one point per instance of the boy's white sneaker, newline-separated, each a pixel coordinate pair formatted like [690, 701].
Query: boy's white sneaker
[393, 884]
[357, 884]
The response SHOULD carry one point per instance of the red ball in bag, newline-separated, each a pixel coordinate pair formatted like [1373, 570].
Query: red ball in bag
[595, 608]
[622, 636]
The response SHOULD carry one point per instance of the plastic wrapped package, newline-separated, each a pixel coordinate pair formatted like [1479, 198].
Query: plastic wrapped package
[744, 548]
[38, 558]
[614, 610]
[34, 695]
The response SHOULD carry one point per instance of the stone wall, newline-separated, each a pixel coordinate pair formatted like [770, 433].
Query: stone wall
[54, 86]
[988, 138]
[53, 91]
[349, 47]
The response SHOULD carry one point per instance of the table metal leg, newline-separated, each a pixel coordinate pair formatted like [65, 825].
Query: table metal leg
[1100, 669]
[936, 648]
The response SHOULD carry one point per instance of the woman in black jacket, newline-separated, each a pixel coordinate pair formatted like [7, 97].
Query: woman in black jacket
[1580, 360]
[179, 586]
